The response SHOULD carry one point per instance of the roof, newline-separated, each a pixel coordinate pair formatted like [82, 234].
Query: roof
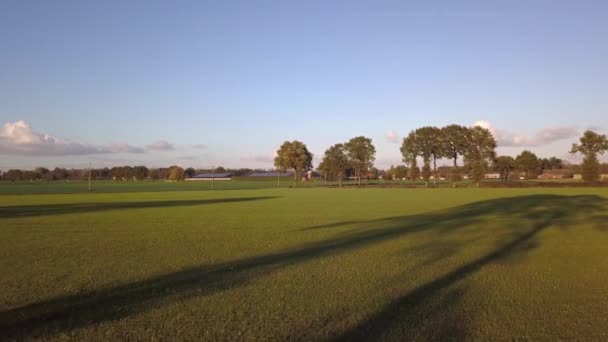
[212, 175]
[270, 174]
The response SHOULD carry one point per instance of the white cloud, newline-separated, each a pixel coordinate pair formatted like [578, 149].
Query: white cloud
[199, 146]
[18, 138]
[542, 137]
[392, 136]
[160, 145]
[123, 148]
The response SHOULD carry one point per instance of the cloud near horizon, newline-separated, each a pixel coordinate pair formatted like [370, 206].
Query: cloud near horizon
[18, 138]
[160, 145]
[542, 137]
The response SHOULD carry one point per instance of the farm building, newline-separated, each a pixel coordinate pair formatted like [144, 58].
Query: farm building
[494, 175]
[210, 176]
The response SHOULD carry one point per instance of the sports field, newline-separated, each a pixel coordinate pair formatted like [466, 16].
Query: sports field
[306, 264]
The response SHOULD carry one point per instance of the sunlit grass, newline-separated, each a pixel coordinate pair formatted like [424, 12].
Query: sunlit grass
[309, 264]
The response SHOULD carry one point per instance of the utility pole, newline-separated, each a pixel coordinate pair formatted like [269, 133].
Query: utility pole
[90, 167]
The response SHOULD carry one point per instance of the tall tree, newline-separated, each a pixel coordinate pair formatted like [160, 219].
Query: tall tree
[154, 174]
[591, 144]
[176, 173]
[335, 162]
[427, 143]
[293, 155]
[480, 150]
[504, 165]
[361, 155]
[189, 172]
[455, 139]
[528, 163]
[552, 163]
[410, 152]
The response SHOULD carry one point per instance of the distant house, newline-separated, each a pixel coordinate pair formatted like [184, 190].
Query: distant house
[555, 174]
[210, 176]
[493, 175]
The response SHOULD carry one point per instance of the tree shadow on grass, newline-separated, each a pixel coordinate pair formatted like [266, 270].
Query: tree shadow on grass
[536, 213]
[78, 208]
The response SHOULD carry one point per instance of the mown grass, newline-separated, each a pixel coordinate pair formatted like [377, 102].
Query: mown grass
[308, 264]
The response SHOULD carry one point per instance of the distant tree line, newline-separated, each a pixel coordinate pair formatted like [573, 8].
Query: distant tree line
[119, 173]
[475, 146]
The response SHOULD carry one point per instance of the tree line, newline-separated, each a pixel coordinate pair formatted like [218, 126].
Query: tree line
[475, 146]
[119, 173]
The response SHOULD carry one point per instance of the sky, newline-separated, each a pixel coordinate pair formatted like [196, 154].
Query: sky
[202, 83]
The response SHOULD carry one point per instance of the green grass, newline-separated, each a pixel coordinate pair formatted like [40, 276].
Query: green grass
[61, 187]
[307, 264]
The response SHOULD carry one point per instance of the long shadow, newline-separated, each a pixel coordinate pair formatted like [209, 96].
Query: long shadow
[74, 208]
[65, 313]
[402, 312]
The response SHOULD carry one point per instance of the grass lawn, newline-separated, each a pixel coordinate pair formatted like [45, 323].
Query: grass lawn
[307, 264]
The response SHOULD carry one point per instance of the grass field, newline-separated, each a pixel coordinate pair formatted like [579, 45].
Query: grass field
[306, 264]
[61, 187]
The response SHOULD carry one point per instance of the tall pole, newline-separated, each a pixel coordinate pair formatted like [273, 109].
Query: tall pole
[212, 177]
[90, 167]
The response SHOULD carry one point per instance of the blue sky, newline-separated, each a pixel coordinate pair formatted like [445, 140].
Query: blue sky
[225, 83]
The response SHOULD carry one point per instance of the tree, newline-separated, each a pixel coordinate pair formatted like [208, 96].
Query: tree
[374, 173]
[361, 155]
[176, 173]
[455, 139]
[43, 173]
[293, 155]
[140, 172]
[528, 163]
[591, 144]
[59, 174]
[504, 165]
[426, 143]
[552, 163]
[429, 140]
[13, 175]
[189, 172]
[410, 151]
[397, 172]
[153, 174]
[480, 150]
[335, 162]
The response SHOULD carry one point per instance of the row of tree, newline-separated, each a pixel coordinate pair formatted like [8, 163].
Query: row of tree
[476, 146]
[119, 173]
[590, 145]
[356, 155]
